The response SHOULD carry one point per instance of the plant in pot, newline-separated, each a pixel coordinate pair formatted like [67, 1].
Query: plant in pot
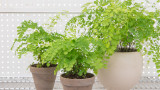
[32, 38]
[124, 27]
[75, 57]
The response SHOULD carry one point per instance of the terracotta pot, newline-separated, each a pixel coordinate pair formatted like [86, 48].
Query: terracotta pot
[123, 71]
[77, 84]
[44, 78]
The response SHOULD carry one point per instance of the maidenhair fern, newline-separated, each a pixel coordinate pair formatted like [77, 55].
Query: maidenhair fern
[36, 41]
[123, 24]
[75, 55]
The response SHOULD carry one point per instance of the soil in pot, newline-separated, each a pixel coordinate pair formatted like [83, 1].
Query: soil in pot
[44, 77]
[70, 82]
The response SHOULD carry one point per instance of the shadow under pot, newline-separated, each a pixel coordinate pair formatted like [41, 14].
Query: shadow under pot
[44, 78]
[77, 84]
[123, 71]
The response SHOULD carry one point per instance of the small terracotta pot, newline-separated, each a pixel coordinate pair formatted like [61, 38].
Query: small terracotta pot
[77, 84]
[44, 78]
[123, 71]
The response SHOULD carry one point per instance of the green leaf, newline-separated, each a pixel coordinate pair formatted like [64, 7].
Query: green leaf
[80, 73]
[48, 64]
[107, 45]
[111, 14]
[158, 71]
[65, 53]
[84, 10]
[96, 2]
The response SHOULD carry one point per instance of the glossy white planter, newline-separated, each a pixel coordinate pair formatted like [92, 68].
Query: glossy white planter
[123, 71]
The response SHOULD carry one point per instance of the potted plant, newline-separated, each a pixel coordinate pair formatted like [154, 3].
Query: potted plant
[75, 56]
[32, 38]
[124, 27]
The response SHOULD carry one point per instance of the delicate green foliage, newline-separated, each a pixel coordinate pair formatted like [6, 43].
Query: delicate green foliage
[123, 24]
[54, 20]
[33, 38]
[76, 56]
[110, 25]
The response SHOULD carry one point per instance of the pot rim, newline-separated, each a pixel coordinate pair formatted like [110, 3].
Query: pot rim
[128, 52]
[77, 79]
[77, 82]
[49, 70]
[31, 66]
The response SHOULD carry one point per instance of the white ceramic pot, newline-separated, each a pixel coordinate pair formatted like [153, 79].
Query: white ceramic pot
[123, 71]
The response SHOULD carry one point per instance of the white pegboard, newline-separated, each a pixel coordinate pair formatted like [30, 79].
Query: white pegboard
[41, 5]
[13, 12]
[48, 5]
